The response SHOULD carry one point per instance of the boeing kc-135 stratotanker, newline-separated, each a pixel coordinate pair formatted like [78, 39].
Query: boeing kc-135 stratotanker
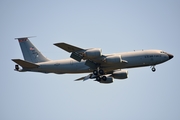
[102, 67]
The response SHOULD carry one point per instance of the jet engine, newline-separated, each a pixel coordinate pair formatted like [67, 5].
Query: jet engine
[120, 74]
[107, 80]
[112, 59]
[92, 53]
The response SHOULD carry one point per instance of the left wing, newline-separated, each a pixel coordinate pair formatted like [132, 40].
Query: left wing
[93, 56]
[67, 47]
[75, 51]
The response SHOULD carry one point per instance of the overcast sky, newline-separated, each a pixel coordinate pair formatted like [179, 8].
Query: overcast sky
[114, 26]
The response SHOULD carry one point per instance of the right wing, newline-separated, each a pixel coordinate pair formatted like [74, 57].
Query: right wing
[90, 76]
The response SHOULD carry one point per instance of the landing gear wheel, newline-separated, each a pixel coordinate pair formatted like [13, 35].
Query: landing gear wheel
[101, 72]
[98, 78]
[95, 72]
[104, 78]
[153, 69]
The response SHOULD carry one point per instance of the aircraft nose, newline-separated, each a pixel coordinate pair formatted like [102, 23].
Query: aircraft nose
[170, 56]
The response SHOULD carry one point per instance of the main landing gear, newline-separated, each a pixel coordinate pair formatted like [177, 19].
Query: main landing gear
[98, 73]
[98, 78]
[153, 69]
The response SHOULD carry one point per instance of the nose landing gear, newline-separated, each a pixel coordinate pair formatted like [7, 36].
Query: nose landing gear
[153, 69]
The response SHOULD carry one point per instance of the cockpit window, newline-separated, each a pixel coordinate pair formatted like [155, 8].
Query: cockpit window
[163, 52]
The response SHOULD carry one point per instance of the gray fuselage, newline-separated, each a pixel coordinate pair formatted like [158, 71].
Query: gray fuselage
[134, 59]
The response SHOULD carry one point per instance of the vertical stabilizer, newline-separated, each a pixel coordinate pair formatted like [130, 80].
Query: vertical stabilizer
[30, 52]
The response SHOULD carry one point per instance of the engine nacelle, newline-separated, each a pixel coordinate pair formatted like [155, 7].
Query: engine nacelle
[92, 53]
[120, 74]
[108, 80]
[113, 59]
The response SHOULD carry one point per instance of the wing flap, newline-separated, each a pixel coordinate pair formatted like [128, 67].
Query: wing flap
[25, 64]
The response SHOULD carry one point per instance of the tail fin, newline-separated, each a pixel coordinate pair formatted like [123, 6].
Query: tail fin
[30, 52]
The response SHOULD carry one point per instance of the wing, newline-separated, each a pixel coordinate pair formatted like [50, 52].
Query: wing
[93, 56]
[75, 51]
[90, 76]
[67, 47]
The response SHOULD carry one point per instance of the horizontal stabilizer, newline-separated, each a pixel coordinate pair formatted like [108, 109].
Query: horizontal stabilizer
[25, 64]
[68, 47]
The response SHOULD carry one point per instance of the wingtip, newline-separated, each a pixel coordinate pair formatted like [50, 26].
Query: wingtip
[15, 59]
[57, 44]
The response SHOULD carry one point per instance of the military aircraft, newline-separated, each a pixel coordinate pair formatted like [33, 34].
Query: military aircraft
[103, 68]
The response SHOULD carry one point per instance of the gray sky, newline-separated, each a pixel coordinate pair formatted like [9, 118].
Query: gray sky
[114, 26]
